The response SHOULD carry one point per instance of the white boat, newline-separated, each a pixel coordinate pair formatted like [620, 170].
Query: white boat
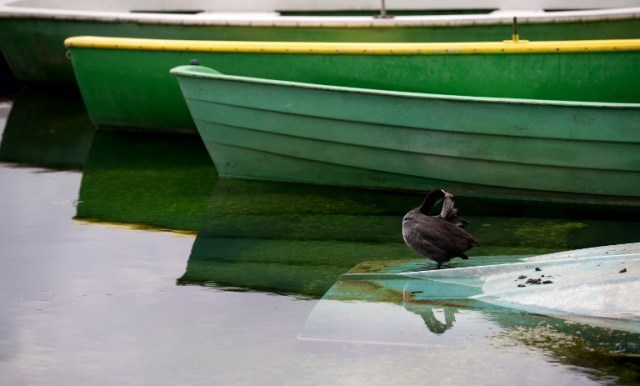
[599, 286]
[592, 292]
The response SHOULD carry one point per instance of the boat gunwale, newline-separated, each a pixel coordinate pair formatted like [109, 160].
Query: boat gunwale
[187, 71]
[361, 48]
[274, 19]
[480, 272]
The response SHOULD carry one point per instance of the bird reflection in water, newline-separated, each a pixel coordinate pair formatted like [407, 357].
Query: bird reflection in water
[432, 322]
[428, 311]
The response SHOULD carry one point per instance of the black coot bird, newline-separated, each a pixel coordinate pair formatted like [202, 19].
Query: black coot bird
[440, 237]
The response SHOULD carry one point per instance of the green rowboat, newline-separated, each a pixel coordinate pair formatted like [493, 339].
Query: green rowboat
[125, 82]
[32, 31]
[275, 130]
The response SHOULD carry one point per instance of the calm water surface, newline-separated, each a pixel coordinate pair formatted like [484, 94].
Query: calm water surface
[95, 289]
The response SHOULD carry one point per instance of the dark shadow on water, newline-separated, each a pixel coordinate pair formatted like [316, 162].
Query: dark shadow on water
[47, 127]
[9, 85]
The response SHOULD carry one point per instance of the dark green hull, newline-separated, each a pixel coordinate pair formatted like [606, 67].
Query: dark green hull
[33, 44]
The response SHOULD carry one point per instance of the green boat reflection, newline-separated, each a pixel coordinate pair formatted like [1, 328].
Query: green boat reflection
[146, 181]
[47, 127]
[298, 239]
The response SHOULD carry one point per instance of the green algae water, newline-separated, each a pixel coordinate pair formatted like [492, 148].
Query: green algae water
[146, 181]
[136, 264]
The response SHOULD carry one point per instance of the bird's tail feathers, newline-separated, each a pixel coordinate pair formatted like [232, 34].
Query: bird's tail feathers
[450, 213]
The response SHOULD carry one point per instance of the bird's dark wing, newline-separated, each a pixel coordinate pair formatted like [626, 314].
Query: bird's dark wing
[461, 238]
[419, 234]
[458, 221]
[424, 246]
[444, 235]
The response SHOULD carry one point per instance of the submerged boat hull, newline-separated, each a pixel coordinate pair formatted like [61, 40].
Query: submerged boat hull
[285, 131]
[126, 83]
[587, 298]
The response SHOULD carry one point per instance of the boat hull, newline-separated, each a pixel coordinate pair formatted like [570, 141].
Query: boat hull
[285, 131]
[126, 83]
[32, 38]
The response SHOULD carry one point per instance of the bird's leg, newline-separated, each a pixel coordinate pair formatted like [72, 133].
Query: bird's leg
[439, 265]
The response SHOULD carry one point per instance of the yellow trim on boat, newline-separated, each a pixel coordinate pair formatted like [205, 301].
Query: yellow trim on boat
[507, 46]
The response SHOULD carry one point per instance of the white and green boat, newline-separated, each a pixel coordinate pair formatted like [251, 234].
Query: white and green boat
[32, 31]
